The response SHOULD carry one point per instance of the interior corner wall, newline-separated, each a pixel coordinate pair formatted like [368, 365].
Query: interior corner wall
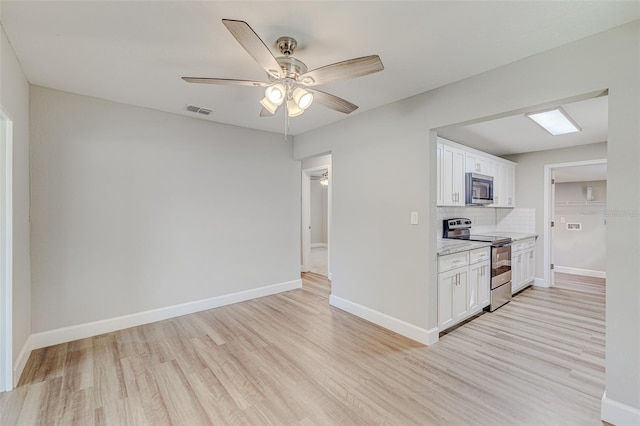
[530, 178]
[14, 101]
[135, 209]
[382, 263]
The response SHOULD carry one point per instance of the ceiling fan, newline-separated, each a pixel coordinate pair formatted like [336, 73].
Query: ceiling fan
[290, 83]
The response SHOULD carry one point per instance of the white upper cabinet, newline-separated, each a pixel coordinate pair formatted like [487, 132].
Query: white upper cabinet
[452, 176]
[476, 163]
[504, 184]
[454, 160]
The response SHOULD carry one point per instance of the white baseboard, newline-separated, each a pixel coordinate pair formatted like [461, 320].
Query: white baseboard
[421, 335]
[81, 331]
[540, 282]
[21, 362]
[617, 413]
[578, 271]
[316, 245]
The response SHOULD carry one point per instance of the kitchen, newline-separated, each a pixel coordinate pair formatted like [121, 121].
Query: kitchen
[461, 171]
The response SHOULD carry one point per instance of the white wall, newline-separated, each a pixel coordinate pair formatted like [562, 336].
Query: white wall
[135, 209]
[529, 182]
[383, 264]
[14, 101]
[584, 249]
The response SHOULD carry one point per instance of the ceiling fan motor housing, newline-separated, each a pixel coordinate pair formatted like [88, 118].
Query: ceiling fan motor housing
[287, 45]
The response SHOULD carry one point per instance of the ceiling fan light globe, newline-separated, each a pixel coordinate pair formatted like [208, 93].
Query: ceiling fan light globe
[268, 105]
[293, 109]
[275, 93]
[302, 97]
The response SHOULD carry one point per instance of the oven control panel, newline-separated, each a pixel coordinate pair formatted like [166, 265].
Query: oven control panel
[457, 223]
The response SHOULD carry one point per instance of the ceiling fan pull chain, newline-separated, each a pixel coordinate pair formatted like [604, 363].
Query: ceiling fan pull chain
[286, 120]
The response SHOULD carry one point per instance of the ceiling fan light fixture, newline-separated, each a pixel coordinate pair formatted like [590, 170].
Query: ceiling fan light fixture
[293, 109]
[275, 93]
[303, 98]
[268, 105]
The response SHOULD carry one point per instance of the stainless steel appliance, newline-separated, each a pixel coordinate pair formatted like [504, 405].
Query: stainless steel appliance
[460, 228]
[478, 189]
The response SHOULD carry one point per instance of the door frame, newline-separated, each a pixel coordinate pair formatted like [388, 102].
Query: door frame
[549, 201]
[6, 252]
[306, 217]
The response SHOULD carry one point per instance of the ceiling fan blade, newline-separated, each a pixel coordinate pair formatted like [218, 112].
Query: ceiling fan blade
[254, 46]
[226, 81]
[351, 68]
[333, 102]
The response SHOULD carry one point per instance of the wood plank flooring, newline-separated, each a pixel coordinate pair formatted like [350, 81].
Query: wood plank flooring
[292, 359]
[579, 283]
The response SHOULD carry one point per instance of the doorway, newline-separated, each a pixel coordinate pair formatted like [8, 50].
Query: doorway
[6, 351]
[316, 200]
[575, 225]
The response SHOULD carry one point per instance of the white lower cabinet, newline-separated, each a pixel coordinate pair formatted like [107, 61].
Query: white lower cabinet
[523, 264]
[452, 296]
[463, 285]
[479, 283]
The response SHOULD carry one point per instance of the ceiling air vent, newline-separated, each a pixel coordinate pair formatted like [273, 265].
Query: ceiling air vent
[197, 110]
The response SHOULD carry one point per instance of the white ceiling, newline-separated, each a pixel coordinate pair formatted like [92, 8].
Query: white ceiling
[136, 51]
[517, 133]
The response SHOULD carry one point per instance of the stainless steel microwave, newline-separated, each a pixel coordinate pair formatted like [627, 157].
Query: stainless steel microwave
[478, 189]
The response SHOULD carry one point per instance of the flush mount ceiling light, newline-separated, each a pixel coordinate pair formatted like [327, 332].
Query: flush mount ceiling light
[325, 179]
[289, 80]
[555, 121]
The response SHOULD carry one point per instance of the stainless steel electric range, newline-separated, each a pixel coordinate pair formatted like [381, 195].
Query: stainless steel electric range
[460, 229]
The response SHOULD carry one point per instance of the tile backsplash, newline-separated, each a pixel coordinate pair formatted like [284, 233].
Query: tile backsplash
[488, 219]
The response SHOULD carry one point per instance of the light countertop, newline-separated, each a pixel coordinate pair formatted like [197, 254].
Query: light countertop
[515, 236]
[445, 246]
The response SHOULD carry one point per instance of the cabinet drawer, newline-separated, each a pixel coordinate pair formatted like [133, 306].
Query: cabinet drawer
[528, 244]
[452, 261]
[479, 255]
[523, 245]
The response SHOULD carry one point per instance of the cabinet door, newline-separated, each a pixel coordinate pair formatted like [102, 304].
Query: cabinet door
[452, 176]
[531, 265]
[478, 291]
[460, 295]
[471, 164]
[439, 191]
[452, 297]
[509, 185]
[497, 184]
[517, 271]
[485, 166]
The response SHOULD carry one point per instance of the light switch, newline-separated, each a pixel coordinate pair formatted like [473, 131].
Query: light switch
[414, 218]
[562, 220]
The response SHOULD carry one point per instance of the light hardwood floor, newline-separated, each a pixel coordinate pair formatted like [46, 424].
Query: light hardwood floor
[580, 283]
[293, 359]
